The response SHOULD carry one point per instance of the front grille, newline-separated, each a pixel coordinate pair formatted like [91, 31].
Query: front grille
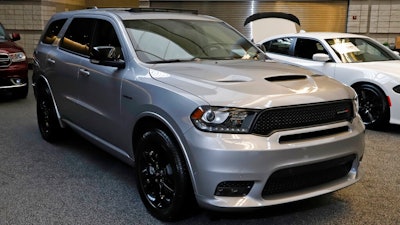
[284, 118]
[297, 178]
[5, 60]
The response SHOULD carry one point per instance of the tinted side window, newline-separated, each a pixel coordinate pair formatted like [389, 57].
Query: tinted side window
[78, 36]
[306, 48]
[52, 31]
[280, 45]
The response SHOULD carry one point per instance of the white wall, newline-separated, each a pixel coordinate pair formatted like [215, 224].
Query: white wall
[26, 19]
[379, 19]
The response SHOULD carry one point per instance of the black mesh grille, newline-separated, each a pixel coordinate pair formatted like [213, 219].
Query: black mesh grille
[297, 178]
[282, 118]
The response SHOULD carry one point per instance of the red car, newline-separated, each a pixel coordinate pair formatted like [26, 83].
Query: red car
[13, 66]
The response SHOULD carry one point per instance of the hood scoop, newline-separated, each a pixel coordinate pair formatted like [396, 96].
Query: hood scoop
[285, 78]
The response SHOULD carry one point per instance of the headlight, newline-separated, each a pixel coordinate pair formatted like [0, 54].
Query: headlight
[17, 57]
[223, 119]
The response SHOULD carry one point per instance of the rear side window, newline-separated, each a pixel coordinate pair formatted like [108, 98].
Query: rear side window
[51, 34]
[78, 36]
[280, 45]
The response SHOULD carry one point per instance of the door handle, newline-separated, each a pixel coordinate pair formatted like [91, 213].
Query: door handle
[50, 60]
[84, 72]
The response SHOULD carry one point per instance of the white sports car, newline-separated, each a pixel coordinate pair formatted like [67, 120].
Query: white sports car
[372, 69]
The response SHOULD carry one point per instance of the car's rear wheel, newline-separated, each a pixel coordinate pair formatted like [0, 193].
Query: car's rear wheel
[373, 106]
[163, 180]
[48, 123]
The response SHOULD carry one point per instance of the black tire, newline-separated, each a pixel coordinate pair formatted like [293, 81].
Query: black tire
[162, 177]
[373, 106]
[48, 123]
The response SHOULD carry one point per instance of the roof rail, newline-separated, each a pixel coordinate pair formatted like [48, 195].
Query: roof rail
[163, 10]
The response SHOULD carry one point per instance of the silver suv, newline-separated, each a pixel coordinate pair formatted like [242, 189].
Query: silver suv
[198, 110]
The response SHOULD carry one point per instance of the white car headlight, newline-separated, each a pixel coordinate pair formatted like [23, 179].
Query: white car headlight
[223, 119]
[17, 57]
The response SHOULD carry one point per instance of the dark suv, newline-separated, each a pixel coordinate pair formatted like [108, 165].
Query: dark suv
[196, 108]
[13, 66]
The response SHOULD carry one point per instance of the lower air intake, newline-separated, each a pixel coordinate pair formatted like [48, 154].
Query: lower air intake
[297, 178]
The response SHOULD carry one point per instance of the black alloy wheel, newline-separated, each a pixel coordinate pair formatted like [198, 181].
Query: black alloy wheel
[373, 106]
[163, 180]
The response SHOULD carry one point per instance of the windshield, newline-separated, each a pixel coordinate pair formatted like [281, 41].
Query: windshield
[2, 33]
[161, 40]
[352, 50]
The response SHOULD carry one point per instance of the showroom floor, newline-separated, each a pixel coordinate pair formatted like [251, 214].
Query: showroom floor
[73, 182]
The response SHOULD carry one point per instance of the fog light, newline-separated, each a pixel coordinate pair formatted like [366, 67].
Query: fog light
[16, 81]
[233, 188]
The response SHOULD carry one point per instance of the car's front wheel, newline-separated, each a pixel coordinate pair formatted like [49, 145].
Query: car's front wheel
[373, 106]
[48, 123]
[163, 181]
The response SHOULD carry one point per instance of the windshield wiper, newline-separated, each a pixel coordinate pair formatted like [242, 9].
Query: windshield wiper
[174, 60]
[219, 58]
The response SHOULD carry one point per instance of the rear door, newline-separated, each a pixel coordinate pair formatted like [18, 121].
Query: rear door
[74, 47]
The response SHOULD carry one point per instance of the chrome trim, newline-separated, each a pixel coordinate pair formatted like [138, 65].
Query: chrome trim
[12, 86]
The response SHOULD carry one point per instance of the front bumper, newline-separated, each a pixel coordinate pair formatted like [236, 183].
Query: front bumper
[14, 76]
[216, 159]
[394, 109]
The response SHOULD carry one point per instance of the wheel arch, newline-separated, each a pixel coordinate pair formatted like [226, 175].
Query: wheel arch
[145, 123]
[40, 82]
[358, 83]
[153, 120]
[379, 87]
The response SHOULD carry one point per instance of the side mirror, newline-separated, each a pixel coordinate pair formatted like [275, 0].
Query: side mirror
[15, 36]
[321, 57]
[107, 56]
[396, 53]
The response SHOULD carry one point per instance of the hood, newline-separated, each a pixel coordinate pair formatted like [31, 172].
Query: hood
[9, 47]
[249, 84]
